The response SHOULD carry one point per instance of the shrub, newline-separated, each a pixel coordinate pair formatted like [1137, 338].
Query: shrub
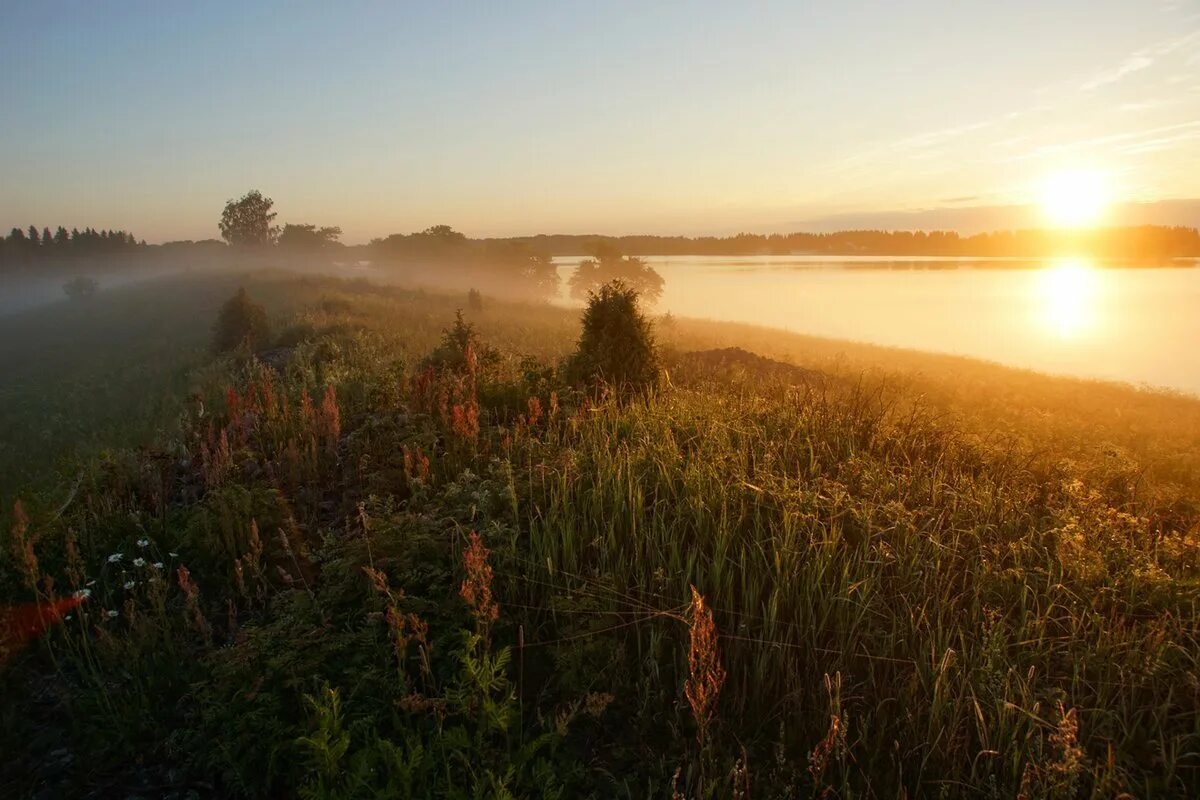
[459, 345]
[617, 345]
[80, 288]
[242, 321]
[475, 301]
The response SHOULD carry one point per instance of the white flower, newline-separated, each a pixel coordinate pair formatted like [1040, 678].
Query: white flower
[139, 562]
[143, 542]
[68, 617]
[129, 585]
[113, 614]
[92, 582]
[158, 565]
[115, 557]
[173, 555]
[83, 594]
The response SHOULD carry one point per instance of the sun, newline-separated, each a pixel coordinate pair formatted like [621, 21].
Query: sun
[1075, 199]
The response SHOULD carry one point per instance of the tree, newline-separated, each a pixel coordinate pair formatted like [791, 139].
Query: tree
[609, 265]
[533, 270]
[308, 237]
[61, 238]
[47, 237]
[33, 235]
[617, 345]
[438, 242]
[241, 322]
[247, 222]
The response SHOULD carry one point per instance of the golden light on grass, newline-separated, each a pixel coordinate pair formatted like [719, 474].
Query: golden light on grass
[1074, 198]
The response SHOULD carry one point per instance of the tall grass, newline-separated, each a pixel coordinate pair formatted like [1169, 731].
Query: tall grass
[373, 573]
[961, 591]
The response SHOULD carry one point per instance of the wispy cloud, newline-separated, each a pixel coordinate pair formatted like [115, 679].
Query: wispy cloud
[1161, 143]
[1128, 140]
[1140, 60]
[923, 145]
[1127, 67]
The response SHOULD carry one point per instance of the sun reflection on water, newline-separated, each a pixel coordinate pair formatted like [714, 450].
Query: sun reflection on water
[1066, 296]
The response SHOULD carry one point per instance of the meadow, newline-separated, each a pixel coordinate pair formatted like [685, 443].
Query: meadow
[409, 559]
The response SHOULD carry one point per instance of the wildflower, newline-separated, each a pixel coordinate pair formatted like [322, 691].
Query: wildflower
[69, 617]
[143, 543]
[330, 418]
[477, 588]
[173, 555]
[834, 743]
[115, 557]
[157, 565]
[705, 673]
[84, 594]
[192, 596]
[139, 562]
[22, 546]
[129, 585]
[1065, 772]
[112, 613]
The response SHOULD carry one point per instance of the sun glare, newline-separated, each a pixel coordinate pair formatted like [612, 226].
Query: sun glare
[1066, 296]
[1074, 199]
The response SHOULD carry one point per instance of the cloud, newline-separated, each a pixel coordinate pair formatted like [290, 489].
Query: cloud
[927, 142]
[981, 218]
[1129, 139]
[1126, 67]
[1163, 143]
[1140, 60]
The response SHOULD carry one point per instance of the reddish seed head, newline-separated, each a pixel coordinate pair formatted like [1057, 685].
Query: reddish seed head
[477, 588]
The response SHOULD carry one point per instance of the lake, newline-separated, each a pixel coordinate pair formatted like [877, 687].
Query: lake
[1062, 316]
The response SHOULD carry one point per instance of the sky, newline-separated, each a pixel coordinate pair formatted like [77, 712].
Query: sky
[599, 117]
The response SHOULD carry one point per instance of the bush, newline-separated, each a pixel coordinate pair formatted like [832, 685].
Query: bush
[80, 288]
[242, 321]
[617, 345]
[460, 344]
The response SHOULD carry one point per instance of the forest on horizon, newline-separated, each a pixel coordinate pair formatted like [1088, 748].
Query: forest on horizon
[27, 247]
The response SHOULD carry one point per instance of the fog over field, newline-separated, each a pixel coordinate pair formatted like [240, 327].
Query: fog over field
[547, 400]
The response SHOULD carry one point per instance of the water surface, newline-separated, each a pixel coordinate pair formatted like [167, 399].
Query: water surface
[1063, 316]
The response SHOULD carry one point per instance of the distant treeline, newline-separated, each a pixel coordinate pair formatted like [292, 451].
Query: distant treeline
[23, 246]
[442, 246]
[1149, 242]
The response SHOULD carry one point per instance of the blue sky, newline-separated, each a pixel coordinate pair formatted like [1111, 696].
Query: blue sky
[517, 117]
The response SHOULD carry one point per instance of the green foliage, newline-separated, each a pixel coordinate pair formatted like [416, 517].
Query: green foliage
[905, 600]
[242, 322]
[308, 237]
[617, 344]
[461, 349]
[247, 222]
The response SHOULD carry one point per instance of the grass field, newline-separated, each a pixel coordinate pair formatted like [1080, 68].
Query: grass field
[876, 573]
